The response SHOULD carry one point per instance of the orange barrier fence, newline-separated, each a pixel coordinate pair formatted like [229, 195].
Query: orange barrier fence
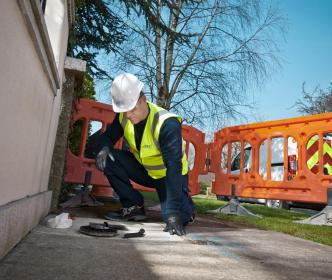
[78, 164]
[286, 159]
[88, 113]
[197, 165]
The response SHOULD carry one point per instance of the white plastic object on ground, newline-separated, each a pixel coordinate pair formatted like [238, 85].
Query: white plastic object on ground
[60, 221]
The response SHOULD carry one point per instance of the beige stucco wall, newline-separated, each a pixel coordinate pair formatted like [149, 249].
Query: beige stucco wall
[56, 17]
[29, 110]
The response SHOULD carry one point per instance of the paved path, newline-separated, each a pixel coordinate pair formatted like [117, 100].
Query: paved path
[211, 250]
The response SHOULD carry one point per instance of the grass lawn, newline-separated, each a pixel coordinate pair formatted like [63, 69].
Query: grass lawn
[272, 219]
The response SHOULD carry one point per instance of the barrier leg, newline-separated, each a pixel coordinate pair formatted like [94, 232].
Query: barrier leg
[84, 198]
[233, 207]
[324, 217]
[104, 194]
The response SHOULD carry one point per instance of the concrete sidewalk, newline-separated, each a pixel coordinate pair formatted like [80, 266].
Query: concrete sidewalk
[211, 250]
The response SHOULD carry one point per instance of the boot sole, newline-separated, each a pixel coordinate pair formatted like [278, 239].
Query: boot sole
[113, 218]
[137, 218]
[134, 218]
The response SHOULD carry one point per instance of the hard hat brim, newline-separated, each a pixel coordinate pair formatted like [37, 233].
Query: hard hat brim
[117, 109]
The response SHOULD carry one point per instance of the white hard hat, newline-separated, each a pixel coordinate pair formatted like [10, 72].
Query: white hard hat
[125, 92]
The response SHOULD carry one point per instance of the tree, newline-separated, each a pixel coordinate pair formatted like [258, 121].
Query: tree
[87, 90]
[96, 29]
[198, 58]
[316, 102]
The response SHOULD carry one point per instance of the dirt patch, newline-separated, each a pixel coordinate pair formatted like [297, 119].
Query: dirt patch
[212, 222]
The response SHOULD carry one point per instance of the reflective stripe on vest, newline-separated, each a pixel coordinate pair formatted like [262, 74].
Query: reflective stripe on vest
[154, 167]
[150, 154]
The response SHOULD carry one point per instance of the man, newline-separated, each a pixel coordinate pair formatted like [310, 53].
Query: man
[156, 158]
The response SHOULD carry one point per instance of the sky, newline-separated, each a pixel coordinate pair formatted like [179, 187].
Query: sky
[306, 55]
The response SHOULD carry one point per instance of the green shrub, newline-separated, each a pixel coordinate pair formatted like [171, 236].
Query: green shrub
[203, 187]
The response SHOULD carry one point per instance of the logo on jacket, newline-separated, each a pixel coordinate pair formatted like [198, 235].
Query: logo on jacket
[146, 147]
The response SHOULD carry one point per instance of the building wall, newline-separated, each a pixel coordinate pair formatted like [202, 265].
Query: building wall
[29, 110]
[56, 17]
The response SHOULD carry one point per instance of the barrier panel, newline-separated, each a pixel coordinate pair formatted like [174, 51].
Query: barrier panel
[197, 165]
[87, 111]
[287, 159]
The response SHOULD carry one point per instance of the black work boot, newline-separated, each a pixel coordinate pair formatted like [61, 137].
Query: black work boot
[133, 213]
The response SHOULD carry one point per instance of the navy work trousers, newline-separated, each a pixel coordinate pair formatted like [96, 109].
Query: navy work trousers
[126, 167]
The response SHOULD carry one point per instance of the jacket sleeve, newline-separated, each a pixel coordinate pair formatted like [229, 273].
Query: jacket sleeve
[170, 140]
[112, 134]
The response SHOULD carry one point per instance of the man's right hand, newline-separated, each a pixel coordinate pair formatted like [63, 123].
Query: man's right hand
[101, 158]
[174, 225]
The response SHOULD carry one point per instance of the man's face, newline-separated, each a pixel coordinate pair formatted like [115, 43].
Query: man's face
[139, 112]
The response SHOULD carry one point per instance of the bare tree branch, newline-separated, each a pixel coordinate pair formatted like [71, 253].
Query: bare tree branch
[315, 102]
[229, 46]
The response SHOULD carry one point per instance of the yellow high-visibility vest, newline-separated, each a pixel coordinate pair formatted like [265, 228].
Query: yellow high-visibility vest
[150, 154]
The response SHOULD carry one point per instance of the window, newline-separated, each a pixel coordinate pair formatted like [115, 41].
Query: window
[236, 163]
[43, 5]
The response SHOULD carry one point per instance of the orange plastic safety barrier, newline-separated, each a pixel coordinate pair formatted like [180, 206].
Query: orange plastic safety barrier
[76, 166]
[197, 165]
[299, 177]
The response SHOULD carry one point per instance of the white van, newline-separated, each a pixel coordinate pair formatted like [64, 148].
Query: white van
[277, 167]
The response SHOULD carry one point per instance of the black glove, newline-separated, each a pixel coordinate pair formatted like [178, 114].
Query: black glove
[101, 158]
[174, 225]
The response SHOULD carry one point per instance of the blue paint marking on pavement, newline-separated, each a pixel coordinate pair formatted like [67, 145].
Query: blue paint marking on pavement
[218, 243]
[222, 250]
[228, 243]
